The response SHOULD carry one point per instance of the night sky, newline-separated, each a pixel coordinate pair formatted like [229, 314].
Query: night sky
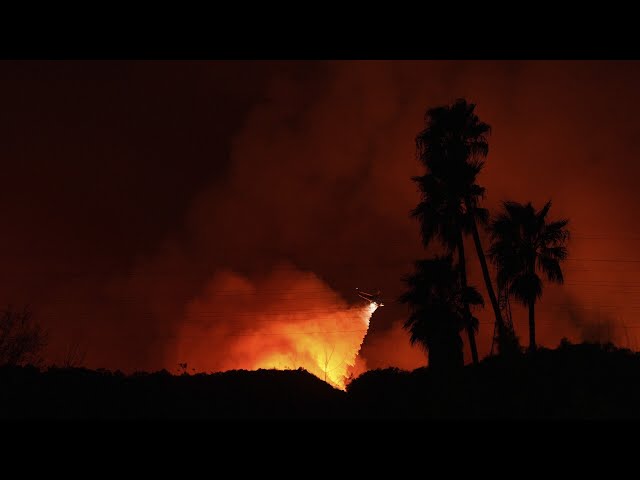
[138, 197]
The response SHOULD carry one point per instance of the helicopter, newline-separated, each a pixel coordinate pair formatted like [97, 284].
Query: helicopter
[371, 297]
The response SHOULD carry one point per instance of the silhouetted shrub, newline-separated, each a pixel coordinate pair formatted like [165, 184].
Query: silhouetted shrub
[21, 338]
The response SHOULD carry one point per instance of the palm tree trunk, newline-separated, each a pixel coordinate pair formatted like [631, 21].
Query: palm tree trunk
[487, 280]
[467, 310]
[532, 326]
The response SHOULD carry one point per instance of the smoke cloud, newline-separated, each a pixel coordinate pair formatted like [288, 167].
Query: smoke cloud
[315, 172]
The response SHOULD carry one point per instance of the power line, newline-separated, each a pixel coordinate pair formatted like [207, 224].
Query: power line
[612, 260]
[208, 335]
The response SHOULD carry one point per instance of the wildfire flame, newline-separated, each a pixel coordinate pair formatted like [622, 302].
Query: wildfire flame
[289, 320]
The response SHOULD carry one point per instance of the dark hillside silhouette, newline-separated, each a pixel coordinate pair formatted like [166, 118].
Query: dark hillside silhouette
[572, 381]
[82, 393]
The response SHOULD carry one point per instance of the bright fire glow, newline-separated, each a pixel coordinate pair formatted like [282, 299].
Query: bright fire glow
[289, 320]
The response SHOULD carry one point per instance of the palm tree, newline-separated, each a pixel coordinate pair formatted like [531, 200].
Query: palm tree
[524, 243]
[445, 218]
[451, 147]
[438, 310]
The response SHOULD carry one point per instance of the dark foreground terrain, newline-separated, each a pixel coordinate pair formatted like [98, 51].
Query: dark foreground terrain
[573, 381]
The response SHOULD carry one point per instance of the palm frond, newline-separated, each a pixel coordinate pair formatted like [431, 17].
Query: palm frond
[541, 215]
[521, 240]
[473, 297]
[551, 268]
[526, 288]
[435, 300]
[476, 191]
[514, 210]
[481, 216]
[556, 232]
[556, 253]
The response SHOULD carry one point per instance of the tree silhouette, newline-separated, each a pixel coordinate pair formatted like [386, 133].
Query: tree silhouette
[523, 243]
[74, 355]
[451, 147]
[438, 305]
[21, 339]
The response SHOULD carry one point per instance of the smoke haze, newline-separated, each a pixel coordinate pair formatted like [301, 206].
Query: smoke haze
[137, 192]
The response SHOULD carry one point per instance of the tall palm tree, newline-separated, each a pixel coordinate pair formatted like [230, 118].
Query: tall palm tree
[524, 243]
[451, 147]
[443, 217]
[437, 302]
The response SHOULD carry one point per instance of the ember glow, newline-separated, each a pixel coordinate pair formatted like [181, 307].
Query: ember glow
[287, 320]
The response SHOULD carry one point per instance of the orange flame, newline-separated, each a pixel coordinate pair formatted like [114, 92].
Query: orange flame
[288, 320]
